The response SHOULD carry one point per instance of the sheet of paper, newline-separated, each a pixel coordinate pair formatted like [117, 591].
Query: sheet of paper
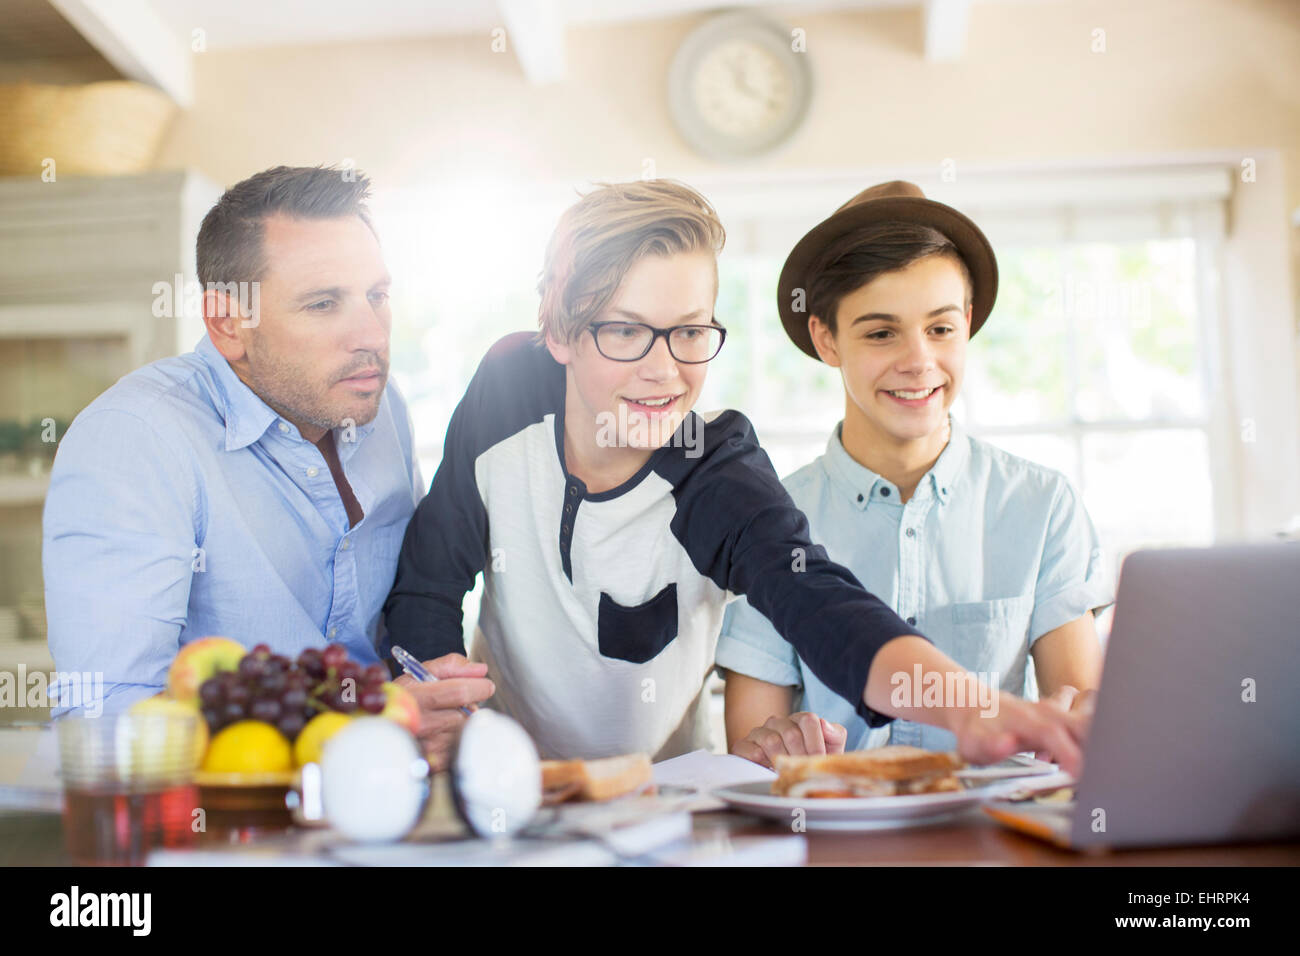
[1017, 765]
[1017, 787]
[635, 842]
[705, 771]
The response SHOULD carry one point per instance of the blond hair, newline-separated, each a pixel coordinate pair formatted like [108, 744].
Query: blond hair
[600, 237]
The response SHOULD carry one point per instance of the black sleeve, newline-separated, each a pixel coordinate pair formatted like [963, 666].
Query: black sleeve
[741, 529]
[446, 543]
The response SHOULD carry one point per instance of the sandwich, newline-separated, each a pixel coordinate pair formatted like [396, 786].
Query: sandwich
[880, 772]
[601, 779]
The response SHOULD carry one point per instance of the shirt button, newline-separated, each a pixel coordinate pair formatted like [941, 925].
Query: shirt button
[284, 429]
[347, 543]
[911, 532]
[859, 497]
[884, 492]
[573, 490]
[565, 529]
[313, 471]
[568, 508]
[912, 621]
[333, 631]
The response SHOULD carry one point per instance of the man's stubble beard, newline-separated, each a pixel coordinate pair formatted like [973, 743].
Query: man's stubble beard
[288, 391]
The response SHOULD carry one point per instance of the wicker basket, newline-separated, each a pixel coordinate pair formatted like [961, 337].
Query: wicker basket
[109, 128]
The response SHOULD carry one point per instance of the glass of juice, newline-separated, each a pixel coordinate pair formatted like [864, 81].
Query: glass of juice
[128, 785]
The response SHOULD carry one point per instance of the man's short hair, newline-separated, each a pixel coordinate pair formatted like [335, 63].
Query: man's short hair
[853, 260]
[230, 239]
[600, 238]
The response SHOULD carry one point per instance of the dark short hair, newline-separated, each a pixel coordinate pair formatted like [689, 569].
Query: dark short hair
[854, 259]
[230, 249]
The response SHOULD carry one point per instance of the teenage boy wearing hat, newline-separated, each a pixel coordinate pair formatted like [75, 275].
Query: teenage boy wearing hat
[613, 524]
[993, 557]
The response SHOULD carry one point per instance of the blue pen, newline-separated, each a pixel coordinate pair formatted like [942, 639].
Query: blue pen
[416, 670]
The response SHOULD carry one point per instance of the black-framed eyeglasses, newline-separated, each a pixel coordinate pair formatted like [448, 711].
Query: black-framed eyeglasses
[632, 341]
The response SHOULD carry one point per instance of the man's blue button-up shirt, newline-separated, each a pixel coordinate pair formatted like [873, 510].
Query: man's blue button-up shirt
[181, 506]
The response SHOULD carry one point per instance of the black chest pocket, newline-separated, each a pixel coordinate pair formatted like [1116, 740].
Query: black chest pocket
[637, 634]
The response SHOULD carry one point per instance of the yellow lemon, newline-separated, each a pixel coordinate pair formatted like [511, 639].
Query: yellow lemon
[311, 740]
[249, 746]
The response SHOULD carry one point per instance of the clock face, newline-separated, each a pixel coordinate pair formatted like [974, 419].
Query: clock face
[741, 88]
[737, 88]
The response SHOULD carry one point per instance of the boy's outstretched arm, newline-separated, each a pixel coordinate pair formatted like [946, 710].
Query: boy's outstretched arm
[989, 728]
[989, 724]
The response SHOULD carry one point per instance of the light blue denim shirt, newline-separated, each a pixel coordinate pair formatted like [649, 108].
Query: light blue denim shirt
[181, 506]
[990, 553]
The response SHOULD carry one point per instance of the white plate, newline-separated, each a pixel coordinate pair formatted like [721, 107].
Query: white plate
[857, 813]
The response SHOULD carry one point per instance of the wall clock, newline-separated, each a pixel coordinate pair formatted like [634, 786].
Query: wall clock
[737, 88]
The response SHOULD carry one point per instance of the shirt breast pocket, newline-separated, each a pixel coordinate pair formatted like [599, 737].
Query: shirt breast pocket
[990, 635]
[637, 634]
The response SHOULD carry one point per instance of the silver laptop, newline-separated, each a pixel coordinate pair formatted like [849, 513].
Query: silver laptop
[1196, 734]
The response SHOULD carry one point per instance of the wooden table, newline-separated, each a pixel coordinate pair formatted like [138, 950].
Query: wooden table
[36, 839]
[976, 839]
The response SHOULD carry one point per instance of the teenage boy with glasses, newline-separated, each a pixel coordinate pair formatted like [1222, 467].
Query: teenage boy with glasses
[613, 524]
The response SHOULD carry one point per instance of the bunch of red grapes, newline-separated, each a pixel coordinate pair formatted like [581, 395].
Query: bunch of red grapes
[273, 689]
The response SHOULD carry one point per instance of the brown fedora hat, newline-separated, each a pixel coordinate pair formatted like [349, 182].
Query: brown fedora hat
[892, 201]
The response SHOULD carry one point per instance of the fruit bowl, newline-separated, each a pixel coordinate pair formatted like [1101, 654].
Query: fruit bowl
[263, 713]
[241, 805]
[274, 778]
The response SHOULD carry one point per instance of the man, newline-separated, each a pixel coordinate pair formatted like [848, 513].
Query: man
[612, 523]
[258, 487]
[993, 556]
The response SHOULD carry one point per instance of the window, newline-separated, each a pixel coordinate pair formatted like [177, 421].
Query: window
[465, 263]
[1092, 363]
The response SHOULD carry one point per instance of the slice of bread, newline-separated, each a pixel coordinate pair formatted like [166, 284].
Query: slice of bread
[879, 772]
[601, 779]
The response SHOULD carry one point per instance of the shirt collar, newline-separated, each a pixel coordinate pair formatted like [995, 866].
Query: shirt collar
[248, 417]
[862, 485]
[947, 470]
